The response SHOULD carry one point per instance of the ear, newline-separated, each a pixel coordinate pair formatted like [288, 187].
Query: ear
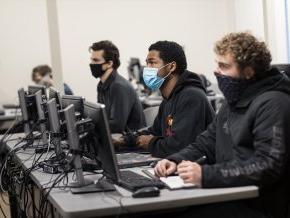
[110, 64]
[173, 66]
[249, 72]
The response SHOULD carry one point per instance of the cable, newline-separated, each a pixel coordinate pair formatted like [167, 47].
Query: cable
[43, 201]
[24, 174]
[6, 135]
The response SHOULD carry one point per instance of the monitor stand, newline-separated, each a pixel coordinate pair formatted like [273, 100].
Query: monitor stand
[98, 186]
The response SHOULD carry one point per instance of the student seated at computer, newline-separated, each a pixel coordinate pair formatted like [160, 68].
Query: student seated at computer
[248, 141]
[42, 75]
[123, 107]
[184, 112]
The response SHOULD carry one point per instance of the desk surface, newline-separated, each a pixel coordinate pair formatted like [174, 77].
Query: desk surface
[105, 204]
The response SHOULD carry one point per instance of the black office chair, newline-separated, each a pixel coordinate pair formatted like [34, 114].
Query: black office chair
[285, 68]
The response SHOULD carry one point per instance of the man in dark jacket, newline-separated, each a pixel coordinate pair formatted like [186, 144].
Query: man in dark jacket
[123, 107]
[248, 142]
[185, 111]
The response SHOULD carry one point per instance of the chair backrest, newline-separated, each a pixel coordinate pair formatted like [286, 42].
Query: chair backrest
[150, 113]
[283, 68]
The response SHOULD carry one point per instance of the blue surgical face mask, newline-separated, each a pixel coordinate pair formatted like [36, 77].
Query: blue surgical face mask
[151, 78]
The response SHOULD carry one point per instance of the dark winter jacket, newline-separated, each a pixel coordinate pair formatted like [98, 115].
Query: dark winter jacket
[123, 107]
[181, 117]
[248, 144]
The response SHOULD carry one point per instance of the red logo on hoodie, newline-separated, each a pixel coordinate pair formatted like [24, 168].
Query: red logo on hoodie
[169, 123]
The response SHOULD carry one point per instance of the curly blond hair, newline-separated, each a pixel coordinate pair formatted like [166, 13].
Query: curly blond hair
[247, 51]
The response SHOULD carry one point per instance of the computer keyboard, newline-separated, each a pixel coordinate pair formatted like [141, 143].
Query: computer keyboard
[134, 181]
[129, 160]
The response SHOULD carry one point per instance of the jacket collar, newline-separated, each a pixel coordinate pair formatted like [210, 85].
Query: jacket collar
[187, 78]
[108, 82]
[259, 87]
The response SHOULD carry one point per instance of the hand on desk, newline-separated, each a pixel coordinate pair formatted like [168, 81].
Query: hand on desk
[189, 172]
[164, 168]
[118, 140]
[144, 140]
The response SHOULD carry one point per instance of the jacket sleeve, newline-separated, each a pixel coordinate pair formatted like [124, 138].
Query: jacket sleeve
[120, 108]
[203, 146]
[188, 122]
[266, 165]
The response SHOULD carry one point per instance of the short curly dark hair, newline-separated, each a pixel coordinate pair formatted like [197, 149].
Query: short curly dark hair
[247, 51]
[169, 52]
[111, 52]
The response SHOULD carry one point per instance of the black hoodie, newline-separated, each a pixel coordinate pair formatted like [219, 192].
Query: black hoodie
[248, 144]
[181, 117]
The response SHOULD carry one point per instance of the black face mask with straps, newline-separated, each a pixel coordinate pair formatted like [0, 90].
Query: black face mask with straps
[96, 70]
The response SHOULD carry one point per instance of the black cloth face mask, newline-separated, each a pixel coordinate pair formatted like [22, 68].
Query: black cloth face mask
[232, 88]
[97, 70]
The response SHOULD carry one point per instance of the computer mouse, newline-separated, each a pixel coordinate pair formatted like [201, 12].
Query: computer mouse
[146, 192]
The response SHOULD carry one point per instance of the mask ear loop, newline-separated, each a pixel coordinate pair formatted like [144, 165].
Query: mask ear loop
[168, 73]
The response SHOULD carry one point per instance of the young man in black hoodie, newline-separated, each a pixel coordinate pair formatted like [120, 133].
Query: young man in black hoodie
[123, 107]
[185, 111]
[248, 141]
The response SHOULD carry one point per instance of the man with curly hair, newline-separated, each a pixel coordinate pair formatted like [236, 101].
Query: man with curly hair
[247, 142]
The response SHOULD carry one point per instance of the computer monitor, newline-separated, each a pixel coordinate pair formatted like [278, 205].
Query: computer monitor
[35, 88]
[77, 101]
[53, 116]
[24, 110]
[135, 72]
[104, 148]
[41, 116]
[54, 124]
[73, 139]
[134, 69]
[28, 106]
[54, 94]
[106, 153]
[32, 112]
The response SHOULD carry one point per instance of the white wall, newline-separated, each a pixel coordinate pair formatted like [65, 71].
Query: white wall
[134, 25]
[23, 44]
[276, 31]
[266, 19]
[249, 15]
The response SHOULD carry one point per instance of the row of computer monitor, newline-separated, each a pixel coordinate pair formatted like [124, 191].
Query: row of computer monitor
[45, 110]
